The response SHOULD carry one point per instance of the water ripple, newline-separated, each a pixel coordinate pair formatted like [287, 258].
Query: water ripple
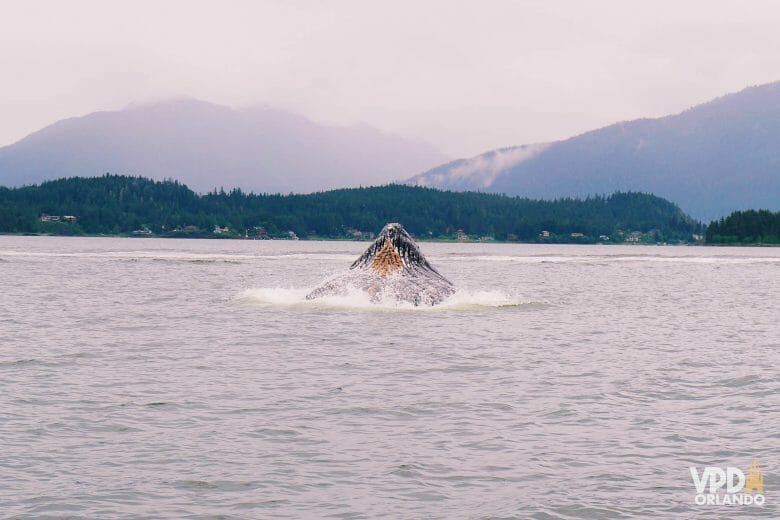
[153, 379]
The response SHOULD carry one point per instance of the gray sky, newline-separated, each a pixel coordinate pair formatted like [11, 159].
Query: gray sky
[464, 76]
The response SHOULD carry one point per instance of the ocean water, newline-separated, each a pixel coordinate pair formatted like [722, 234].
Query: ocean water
[151, 378]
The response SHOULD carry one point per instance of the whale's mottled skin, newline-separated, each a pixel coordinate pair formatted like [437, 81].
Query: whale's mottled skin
[391, 268]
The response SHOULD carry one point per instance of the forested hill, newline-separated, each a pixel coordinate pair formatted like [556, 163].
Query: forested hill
[115, 204]
[746, 227]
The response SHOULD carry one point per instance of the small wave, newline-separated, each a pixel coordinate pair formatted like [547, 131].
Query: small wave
[551, 259]
[462, 300]
[32, 362]
[175, 256]
[529, 259]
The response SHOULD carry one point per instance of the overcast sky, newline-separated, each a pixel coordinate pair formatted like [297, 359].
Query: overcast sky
[464, 76]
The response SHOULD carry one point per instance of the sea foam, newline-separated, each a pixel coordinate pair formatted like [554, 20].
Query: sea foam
[295, 298]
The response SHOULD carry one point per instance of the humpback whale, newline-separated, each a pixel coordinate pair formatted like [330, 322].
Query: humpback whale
[392, 267]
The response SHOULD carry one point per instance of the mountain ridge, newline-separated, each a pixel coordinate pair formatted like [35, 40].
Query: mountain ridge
[208, 145]
[711, 159]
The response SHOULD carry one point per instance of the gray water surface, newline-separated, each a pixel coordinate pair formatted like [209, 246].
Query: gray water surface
[151, 378]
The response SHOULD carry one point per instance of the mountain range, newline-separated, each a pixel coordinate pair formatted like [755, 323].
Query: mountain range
[206, 146]
[711, 159]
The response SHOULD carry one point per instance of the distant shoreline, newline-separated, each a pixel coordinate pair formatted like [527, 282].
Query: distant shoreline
[364, 240]
[123, 205]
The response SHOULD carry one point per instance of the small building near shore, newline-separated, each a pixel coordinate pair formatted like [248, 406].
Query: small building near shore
[634, 237]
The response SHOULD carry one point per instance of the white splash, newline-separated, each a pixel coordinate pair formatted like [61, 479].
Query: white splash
[356, 299]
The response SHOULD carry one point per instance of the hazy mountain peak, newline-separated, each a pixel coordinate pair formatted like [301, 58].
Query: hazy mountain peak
[208, 145]
[711, 159]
